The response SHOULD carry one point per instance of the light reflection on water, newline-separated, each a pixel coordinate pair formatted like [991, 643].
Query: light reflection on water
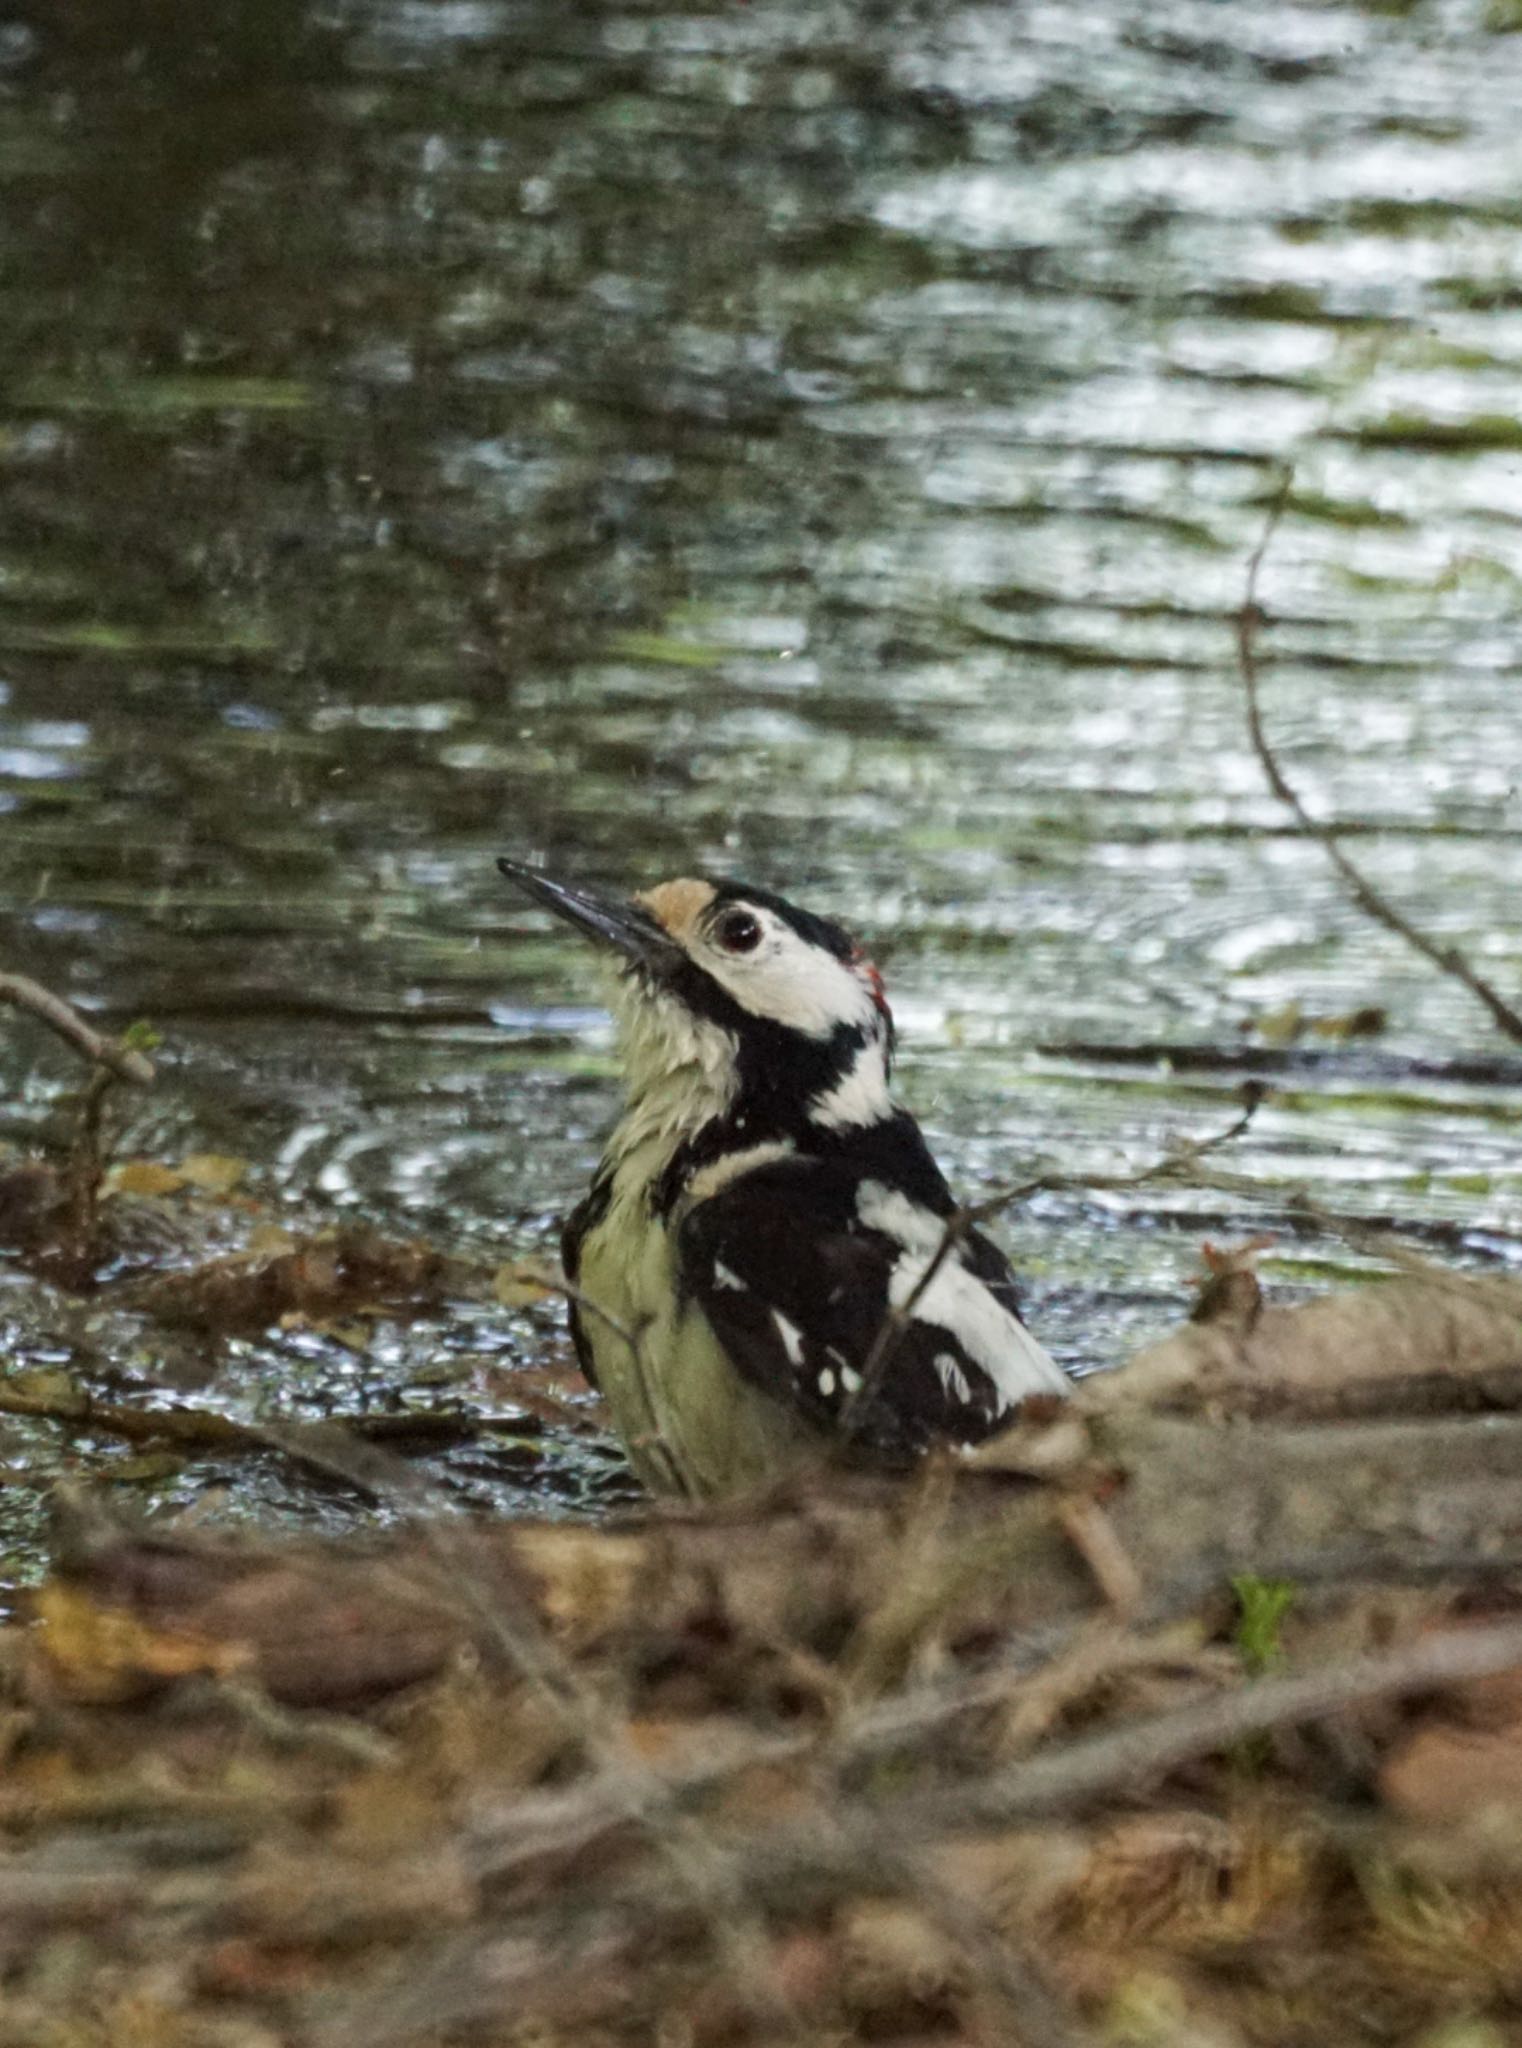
[786, 442]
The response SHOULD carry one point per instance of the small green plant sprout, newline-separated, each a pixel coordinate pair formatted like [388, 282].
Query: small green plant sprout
[1261, 1607]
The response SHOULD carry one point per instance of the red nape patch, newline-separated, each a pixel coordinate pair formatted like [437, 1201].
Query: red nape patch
[868, 969]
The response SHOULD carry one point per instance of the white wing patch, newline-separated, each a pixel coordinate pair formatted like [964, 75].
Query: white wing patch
[724, 1277]
[891, 1211]
[956, 1300]
[953, 1379]
[791, 1335]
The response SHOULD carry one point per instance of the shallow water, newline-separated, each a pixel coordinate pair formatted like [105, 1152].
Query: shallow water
[817, 442]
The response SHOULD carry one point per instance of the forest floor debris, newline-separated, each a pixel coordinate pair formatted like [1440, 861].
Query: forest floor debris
[1186, 1713]
[707, 1776]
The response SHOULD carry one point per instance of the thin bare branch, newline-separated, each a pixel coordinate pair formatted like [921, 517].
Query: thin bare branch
[1097, 1766]
[1176, 1163]
[848, 1844]
[1447, 959]
[62, 1018]
[1380, 1241]
[652, 1442]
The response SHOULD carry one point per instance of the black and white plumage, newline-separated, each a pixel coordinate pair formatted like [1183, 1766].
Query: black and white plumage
[763, 1205]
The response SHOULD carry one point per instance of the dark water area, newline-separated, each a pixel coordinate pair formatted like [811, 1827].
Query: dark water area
[817, 442]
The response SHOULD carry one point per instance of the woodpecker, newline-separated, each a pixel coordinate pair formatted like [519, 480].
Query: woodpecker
[762, 1205]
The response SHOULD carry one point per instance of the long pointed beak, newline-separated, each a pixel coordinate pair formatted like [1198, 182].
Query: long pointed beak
[624, 926]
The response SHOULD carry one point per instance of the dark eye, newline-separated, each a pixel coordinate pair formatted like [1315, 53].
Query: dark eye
[737, 931]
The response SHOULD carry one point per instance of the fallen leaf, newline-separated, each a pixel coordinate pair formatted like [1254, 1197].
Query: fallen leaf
[49, 1388]
[241, 1968]
[214, 1173]
[1445, 1773]
[147, 1469]
[1366, 1022]
[1282, 1026]
[270, 1237]
[143, 1177]
[102, 1656]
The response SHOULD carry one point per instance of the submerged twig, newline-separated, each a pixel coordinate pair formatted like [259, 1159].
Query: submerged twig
[110, 1062]
[204, 1429]
[123, 1061]
[1447, 959]
[85, 1169]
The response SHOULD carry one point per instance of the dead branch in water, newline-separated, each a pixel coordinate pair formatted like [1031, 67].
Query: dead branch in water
[177, 1427]
[1373, 902]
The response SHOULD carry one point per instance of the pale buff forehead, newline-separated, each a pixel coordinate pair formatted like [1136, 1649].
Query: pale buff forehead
[677, 906]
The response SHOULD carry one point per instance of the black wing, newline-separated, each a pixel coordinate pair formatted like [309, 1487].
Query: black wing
[795, 1265]
[587, 1214]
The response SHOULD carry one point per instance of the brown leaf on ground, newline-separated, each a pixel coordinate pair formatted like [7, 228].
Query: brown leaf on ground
[1445, 1773]
[107, 1655]
[142, 1177]
[213, 1173]
[556, 1394]
[313, 1630]
[1463, 1758]
[1230, 1293]
[522, 1283]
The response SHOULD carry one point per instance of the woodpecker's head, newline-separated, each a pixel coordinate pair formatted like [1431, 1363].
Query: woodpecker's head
[777, 1011]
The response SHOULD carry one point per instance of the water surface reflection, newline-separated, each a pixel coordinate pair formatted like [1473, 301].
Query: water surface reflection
[816, 442]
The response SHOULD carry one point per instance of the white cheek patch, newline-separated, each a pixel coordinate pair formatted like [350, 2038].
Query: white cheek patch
[791, 981]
